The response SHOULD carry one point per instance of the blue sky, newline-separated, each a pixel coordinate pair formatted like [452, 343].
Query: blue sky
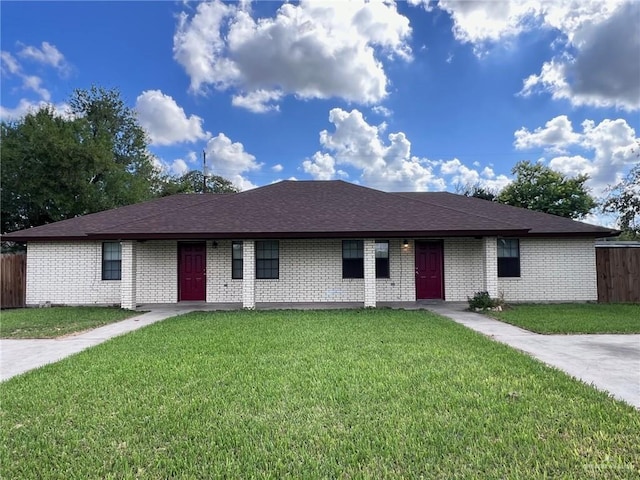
[397, 96]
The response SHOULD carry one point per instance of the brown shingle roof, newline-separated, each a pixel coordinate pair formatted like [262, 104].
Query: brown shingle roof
[538, 223]
[308, 209]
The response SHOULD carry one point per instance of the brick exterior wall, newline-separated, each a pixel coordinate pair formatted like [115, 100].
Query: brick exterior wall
[310, 271]
[463, 268]
[68, 273]
[157, 271]
[553, 270]
[220, 286]
[128, 274]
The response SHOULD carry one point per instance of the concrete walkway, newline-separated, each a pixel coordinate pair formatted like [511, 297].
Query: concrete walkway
[608, 362]
[19, 356]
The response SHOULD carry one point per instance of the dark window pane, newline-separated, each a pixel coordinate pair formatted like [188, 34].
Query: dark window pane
[236, 260]
[111, 261]
[352, 259]
[267, 259]
[382, 259]
[352, 249]
[353, 268]
[382, 268]
[508, 257]
[508, 267]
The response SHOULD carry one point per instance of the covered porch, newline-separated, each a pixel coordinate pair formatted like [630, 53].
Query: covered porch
[309, 272]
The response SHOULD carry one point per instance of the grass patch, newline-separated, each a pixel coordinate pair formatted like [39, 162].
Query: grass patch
[573, 317]
[57, 321]
[318, 394]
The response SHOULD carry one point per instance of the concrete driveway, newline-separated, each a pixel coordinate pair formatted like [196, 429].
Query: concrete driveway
[608, 362]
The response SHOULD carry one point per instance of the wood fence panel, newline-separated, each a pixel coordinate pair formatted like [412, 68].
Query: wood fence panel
[618, 271]
[13, 280]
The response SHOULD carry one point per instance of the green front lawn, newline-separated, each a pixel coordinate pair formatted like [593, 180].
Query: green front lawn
[56, 321]
[574, 317]
[317, 394]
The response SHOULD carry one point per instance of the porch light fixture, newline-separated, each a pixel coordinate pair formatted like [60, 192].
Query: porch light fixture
[214, 244]
[405, 243]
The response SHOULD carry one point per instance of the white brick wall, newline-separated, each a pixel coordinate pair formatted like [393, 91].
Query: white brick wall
[553, 270]
[220, 286]
[248, 274]
[310, 271]
[68, 273]
[157, 271]
[369, 273]
[128, 271]
[400, 286]
[463, 268]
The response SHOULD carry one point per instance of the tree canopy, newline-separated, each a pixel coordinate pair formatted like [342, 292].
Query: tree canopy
[193, 182]
[624, 201]
[538, 187]
[95, 158]
[56, 167]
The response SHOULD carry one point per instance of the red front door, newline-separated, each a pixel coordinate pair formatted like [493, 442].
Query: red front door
[429, 276]
[191, 271]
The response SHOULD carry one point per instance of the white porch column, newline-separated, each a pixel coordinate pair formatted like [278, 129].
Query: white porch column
[248, 274]
[369, 273]
[490, 258]
[128, 275]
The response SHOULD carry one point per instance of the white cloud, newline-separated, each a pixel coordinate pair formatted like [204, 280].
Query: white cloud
[27, 106]
[382, 111]
[31, 82]
[10, 65]
[604, 72]
[229, 160]
[462, 176]
[48, 54]
[599, 59]
[310, 50]
[604, 151]
[386, 164]
[179, 167]
[487, 21]
[556, 135]
[277, 168]
[321, 166]
[258, 101]
[165, 121]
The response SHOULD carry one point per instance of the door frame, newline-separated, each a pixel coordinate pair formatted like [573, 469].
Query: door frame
[203, 243]
[440, 244]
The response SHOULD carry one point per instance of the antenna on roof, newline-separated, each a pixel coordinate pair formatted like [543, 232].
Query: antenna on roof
[204, 171]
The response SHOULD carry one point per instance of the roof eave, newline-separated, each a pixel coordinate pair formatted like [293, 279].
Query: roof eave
[306, 235]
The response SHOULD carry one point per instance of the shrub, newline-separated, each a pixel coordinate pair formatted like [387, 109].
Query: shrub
[483, 301]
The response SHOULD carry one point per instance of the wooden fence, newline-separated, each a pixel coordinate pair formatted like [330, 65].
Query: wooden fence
[13, 280]
[618, 271]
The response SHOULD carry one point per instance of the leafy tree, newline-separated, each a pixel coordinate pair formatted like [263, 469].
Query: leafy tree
[624, 200]
[192, 182]
[127, 174]
[538, 187]
[56, 167]
[479, 191]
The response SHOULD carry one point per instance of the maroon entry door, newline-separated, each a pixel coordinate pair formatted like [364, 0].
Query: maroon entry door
[429, 278]
[191, 271]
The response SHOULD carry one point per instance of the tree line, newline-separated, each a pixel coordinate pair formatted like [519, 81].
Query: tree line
[94, 158]
[97, 157]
